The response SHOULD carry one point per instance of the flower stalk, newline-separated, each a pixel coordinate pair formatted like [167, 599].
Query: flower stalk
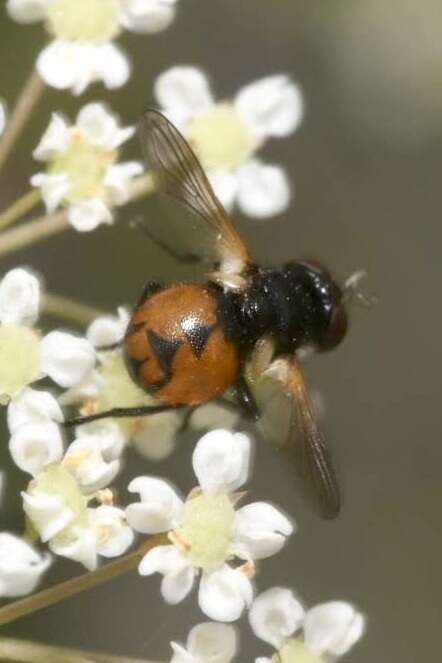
[19, 208]
[69, 309]
[22, 112]
[65, 590]
[22, 651]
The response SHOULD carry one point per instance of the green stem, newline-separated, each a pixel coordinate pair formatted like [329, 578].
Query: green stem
[22, 112]
[22, 651]
[64, 590]
[19, 208]
[68, 309]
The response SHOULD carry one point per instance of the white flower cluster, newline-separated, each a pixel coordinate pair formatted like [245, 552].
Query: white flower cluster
[209, 538]
[82, 50]
[323, 633]
[206, 531]
[82, 173]
[227, 134]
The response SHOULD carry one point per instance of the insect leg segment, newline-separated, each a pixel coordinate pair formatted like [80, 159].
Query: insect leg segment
[120, 412]
[246, 400]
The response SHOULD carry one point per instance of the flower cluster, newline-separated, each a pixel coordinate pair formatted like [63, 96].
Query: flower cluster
[82, 50]
[25, 355]
[227, 134]
[212, 538]
[206, 531]
[82, 173]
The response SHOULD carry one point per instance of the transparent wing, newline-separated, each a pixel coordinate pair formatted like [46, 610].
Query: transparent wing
[288, 421]
[180, 175]
[309, 444]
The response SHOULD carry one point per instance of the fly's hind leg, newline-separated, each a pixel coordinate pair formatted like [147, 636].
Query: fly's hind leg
[246, 401]
[189, 258]
[119, 412]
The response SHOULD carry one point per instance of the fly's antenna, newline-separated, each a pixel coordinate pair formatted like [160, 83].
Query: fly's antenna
[353, 292]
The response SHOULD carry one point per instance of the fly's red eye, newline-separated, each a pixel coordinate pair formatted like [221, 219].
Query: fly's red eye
[336, 330]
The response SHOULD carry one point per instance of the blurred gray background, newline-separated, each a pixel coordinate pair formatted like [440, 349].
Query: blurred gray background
[367, 163]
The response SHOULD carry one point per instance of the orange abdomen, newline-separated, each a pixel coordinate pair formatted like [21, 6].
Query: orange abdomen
[177, 349]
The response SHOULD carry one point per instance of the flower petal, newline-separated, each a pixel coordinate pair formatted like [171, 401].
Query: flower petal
[160, 507]
[113, 534]
[263, 189]
[175, 586]
[225, 186]
[19, 297]
[35, 445]
[156, 437]
[118, 179]
[111, 66]
[213, 415]
[84, 461]
[184, 91]
[66, 358]
[112, 437]
[2, 116]
[276, 615]
[333, 628]
[261, 530]
[71, 65]
[212, 642]
[78, 544]
[53, 188]
[89, 214]
[108, 330]
[221, 461]
[162, 559]
[21, 566]
[272, 106]
[27, 11]
[148, 15]
[48, 513]
[101, 127]
[55, 139]
[224, 594]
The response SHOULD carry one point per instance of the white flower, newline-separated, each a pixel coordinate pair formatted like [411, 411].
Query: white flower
[33, 406]
[36, 445]
[87, 461]
[226, 135]
[58, 510]
[82, 173]
[82, 50]
[104, 533]
[205, 530]
[111, 386]
[21, 566]
[24, 356]
[208, 642]
[329, 629]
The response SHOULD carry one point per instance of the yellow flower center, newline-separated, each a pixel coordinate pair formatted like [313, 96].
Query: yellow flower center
[56, 480]
[295, 651]
[84, 20]
[220, 137]
[85, 165]
[119, 390]
[207, 526]
[20, 359]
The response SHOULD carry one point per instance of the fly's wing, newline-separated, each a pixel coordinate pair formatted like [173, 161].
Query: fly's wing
[180, 175]
[310, 444]
[288, 419]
